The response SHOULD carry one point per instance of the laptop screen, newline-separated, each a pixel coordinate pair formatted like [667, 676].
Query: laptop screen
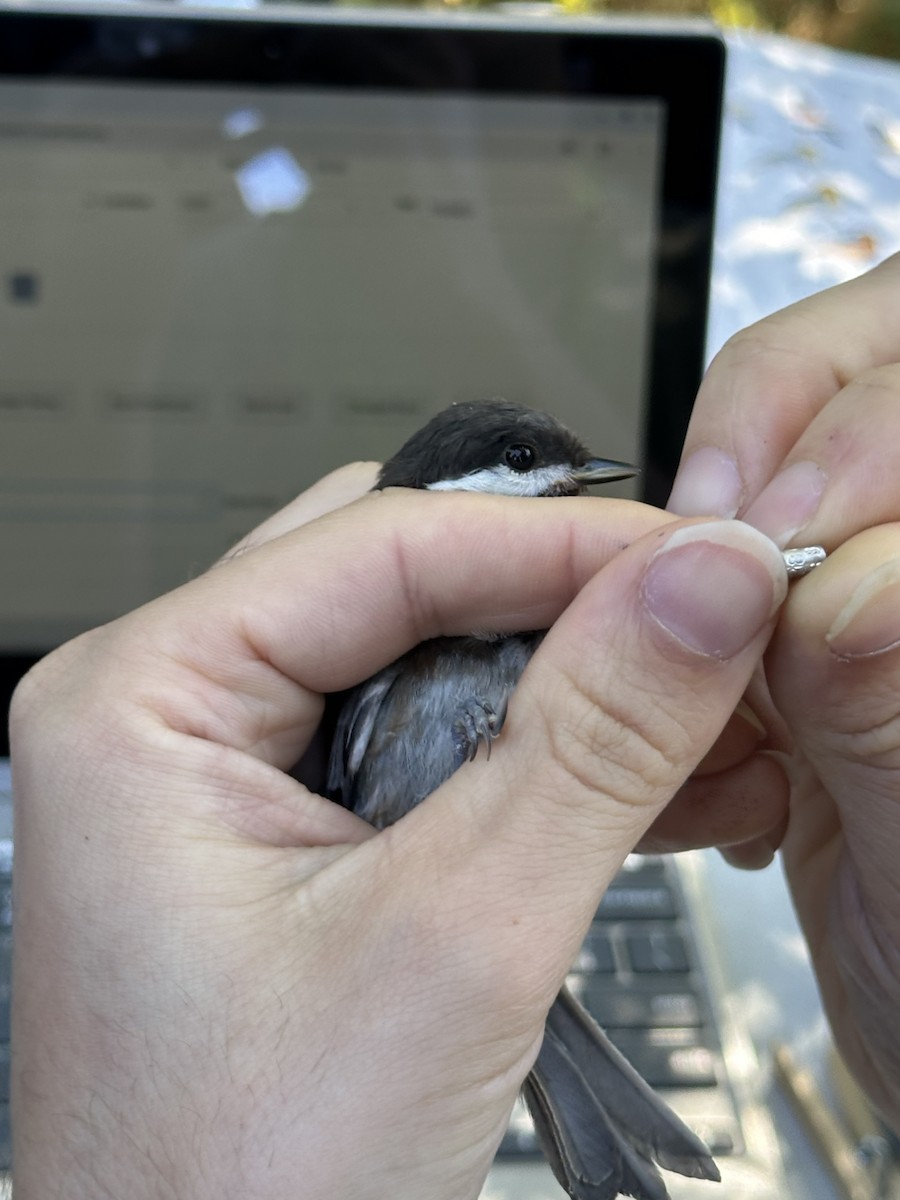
[238, 252]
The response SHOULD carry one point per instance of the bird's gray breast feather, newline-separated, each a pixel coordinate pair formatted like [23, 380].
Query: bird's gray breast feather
[398, 734]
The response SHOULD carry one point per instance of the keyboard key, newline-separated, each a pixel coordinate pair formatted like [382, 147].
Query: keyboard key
[645, 869]
[5, 1139]
[663, 1064]
[657, 952]
[5, 960]
[520, 1140]
[718, 1138]
[596, 955]
[631, 1008]
[628, 903]
[519, 1144]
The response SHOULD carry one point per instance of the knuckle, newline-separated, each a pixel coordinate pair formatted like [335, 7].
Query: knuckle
[879, 382]
[44, 685]
[623, 742]
[773, 338]
[772, 349]
[743, 347]
[417, 606]
[863, 736]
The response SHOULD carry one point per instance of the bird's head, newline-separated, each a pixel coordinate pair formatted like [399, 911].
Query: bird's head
[500, 447]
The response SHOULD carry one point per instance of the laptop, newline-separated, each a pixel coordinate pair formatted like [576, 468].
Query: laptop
[243, 247]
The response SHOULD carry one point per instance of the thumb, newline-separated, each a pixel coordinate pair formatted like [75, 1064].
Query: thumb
[624, 697]
[835, 674]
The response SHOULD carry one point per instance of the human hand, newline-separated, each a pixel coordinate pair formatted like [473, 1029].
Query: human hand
[797, 430]
[228, 986]
[834, 673]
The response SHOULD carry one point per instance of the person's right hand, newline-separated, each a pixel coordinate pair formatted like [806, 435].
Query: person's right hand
[834, 673]
[797, 430]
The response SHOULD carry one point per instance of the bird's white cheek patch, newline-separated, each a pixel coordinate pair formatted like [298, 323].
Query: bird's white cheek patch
[503, 481]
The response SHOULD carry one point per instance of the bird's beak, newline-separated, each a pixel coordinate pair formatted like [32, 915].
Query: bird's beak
[602, 470]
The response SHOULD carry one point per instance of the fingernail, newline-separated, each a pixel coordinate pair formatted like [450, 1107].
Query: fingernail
[714, 586]
[788, 503]
[758, 852]
[708, 484]
[869, 623]
[754, 855]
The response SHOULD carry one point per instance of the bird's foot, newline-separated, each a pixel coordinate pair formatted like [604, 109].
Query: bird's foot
[476, 724]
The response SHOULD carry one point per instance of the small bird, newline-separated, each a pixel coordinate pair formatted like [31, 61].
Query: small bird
[402, 733]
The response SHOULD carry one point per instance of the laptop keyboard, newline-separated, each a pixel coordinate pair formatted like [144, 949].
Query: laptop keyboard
[638, 975]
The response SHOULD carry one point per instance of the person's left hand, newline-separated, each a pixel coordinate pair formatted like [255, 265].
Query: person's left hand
[227, 985]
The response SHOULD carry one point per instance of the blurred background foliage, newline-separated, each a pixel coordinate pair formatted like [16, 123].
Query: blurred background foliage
[862, 26]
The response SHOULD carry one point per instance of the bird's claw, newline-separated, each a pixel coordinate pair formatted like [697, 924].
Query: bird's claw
[477, 724]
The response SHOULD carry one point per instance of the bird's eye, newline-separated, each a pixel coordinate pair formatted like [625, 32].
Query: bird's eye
[519, 456]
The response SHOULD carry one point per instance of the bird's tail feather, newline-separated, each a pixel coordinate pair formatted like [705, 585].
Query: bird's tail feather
[600, 1125]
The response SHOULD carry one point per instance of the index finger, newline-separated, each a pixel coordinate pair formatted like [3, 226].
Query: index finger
[770, 381]
[334, 490]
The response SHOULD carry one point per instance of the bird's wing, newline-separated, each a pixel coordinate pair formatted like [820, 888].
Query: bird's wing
[353, 732]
